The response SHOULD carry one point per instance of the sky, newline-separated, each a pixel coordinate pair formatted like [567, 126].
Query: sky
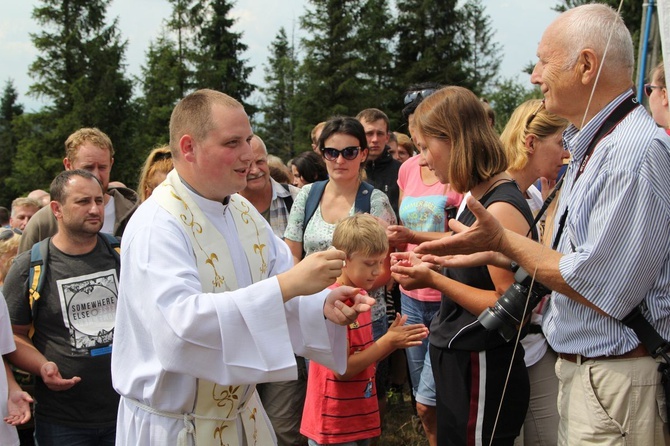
[518, 25]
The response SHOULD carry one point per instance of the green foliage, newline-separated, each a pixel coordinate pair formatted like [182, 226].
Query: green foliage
[80, 71]
[485, 54]
[10, 110]
[278, 108]
[217, 62]
[163, 79]
[429, 45]
[506, 96]
[330, 82]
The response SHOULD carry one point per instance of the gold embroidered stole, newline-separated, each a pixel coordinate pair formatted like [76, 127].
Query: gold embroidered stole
[224, 414]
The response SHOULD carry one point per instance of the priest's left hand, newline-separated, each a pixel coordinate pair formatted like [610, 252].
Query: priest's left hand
[336, 311]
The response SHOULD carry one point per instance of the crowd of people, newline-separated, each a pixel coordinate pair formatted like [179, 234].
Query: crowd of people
[234, 299]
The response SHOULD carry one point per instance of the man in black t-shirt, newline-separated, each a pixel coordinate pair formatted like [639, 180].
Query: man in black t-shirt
[73, 319]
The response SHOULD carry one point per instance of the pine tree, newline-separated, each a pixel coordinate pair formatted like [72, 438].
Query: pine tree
[429, 47]
[10, 109]
[185, 13]
[278, 108]
[162, 83]
[218, 61]
[80, 72]
[374, 32]
[485, 55]
[330, 81]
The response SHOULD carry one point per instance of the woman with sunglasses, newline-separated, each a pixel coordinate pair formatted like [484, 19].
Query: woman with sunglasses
[470, 364]
[658, 97]
[344, 148]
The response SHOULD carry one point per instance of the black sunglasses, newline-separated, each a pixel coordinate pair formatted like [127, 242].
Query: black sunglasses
[348, 153]
[6, 234]
[648, 88]
[412, 96]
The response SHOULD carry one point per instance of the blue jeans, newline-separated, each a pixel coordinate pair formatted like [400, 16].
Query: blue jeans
[418, 360]
[52, 434]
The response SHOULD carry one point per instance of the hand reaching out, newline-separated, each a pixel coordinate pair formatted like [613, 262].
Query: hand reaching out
[336, 311]
[18, 407]
[53, 379]
[410, 271]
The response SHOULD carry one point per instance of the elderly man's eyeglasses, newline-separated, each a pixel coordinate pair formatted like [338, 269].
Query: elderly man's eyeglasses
[348, 153]
[6, 234]
[648, 88]
[413, 95]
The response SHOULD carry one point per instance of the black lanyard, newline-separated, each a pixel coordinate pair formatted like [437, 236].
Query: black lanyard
[612, 120]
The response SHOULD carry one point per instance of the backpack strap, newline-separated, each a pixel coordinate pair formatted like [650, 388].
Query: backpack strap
[38, 253]
[313, 200]
[361, 205]
[113, 244]
[363, 197]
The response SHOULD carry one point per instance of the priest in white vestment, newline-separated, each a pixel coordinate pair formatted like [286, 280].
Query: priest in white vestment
[209, 303]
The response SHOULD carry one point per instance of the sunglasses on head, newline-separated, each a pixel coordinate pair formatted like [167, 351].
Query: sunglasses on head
[412, 96]
[348, 153]
[648, 88]
[6, 234]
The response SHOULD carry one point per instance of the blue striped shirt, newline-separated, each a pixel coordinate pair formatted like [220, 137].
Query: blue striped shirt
[616, 240]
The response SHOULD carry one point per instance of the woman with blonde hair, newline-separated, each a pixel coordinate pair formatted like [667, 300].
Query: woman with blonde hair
[156, 167]
[533, 138]
[470, 364]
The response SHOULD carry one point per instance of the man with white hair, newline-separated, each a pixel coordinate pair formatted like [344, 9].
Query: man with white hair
[612, 235]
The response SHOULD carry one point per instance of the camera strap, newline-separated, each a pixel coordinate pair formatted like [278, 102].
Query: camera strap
[613, 119]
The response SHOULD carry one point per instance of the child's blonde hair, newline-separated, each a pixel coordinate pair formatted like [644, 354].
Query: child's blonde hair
[360, 234]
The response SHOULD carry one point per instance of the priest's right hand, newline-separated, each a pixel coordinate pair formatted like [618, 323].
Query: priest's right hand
[313, 274]
[338, 312]
[53, 379]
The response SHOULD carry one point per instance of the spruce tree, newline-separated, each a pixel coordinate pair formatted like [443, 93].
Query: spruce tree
[162, 83]
[10, 110]
[330, 79]
[429, 45]
[485, 54]
[278, 108]
[218, 61]
[80, 72]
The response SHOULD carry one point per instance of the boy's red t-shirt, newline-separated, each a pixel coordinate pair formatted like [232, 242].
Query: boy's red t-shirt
[343, 411]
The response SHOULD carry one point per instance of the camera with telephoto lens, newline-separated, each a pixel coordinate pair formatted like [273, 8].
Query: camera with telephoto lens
[506, 315]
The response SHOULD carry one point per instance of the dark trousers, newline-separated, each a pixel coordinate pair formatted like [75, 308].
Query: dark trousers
[469, 388]
[53, 434]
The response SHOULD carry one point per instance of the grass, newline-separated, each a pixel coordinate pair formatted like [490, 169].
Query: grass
[399, 428]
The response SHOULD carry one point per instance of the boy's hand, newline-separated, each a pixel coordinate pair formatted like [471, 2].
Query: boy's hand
[336, 311]
[402, 336]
